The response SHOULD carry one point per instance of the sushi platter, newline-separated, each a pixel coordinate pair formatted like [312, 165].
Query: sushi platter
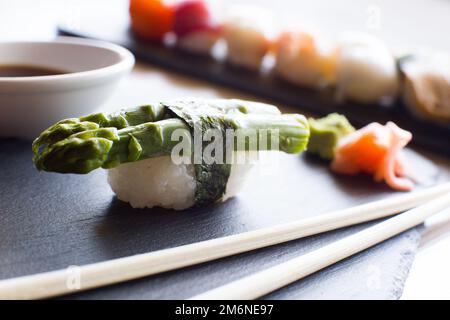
[267, 86]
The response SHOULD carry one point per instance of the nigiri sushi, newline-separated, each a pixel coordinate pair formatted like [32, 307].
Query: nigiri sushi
[301, 60]
[366, 70]
[151, 19]
[157, 155]
[376, 150]
[247, 35]
[426, 86]
[195, 27]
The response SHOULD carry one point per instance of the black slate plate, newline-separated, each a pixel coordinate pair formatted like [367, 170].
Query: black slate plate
[51, 221]
[267, 86]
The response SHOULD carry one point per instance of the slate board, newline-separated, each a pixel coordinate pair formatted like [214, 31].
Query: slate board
[50, 221]
[266, 85]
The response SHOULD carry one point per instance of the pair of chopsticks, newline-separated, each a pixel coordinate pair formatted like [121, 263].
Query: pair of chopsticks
[424, 203]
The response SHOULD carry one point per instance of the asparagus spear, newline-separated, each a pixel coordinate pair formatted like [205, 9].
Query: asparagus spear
[108, 147]
[138, 115]
[292, 129]
[119, 120]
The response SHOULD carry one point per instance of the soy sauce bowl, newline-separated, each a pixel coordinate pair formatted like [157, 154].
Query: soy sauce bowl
[92, 70]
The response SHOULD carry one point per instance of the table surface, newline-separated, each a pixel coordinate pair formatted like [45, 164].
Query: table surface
[429, 277]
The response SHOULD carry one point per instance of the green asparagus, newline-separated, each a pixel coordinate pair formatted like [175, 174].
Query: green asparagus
[136, 116]
[106, 141]
[85, 151]
[99, 140]
[119, 120]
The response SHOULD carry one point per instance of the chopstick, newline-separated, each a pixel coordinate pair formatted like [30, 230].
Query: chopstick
[54, 283]
[271, 279]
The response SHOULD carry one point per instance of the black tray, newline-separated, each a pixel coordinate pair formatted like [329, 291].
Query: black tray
[51, 221]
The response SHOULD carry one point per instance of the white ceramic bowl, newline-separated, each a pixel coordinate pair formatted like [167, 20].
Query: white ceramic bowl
[29, 105]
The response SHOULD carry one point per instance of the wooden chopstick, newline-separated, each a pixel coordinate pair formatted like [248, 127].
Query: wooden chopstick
[94, 275]
[271, 279]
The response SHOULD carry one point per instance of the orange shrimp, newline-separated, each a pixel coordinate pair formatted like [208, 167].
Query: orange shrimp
[375, 149]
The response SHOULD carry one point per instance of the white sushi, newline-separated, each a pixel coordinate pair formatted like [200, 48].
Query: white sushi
[305, 61]
[246, 31]
[426, 86]
[366, 70]
[159, 182]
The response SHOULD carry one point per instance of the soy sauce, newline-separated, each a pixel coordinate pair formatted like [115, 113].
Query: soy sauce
[28, 71]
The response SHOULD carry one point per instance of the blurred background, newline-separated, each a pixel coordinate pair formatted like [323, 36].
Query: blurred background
[401, 23]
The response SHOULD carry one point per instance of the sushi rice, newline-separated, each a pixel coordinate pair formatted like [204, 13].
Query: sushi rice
[159, 182]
